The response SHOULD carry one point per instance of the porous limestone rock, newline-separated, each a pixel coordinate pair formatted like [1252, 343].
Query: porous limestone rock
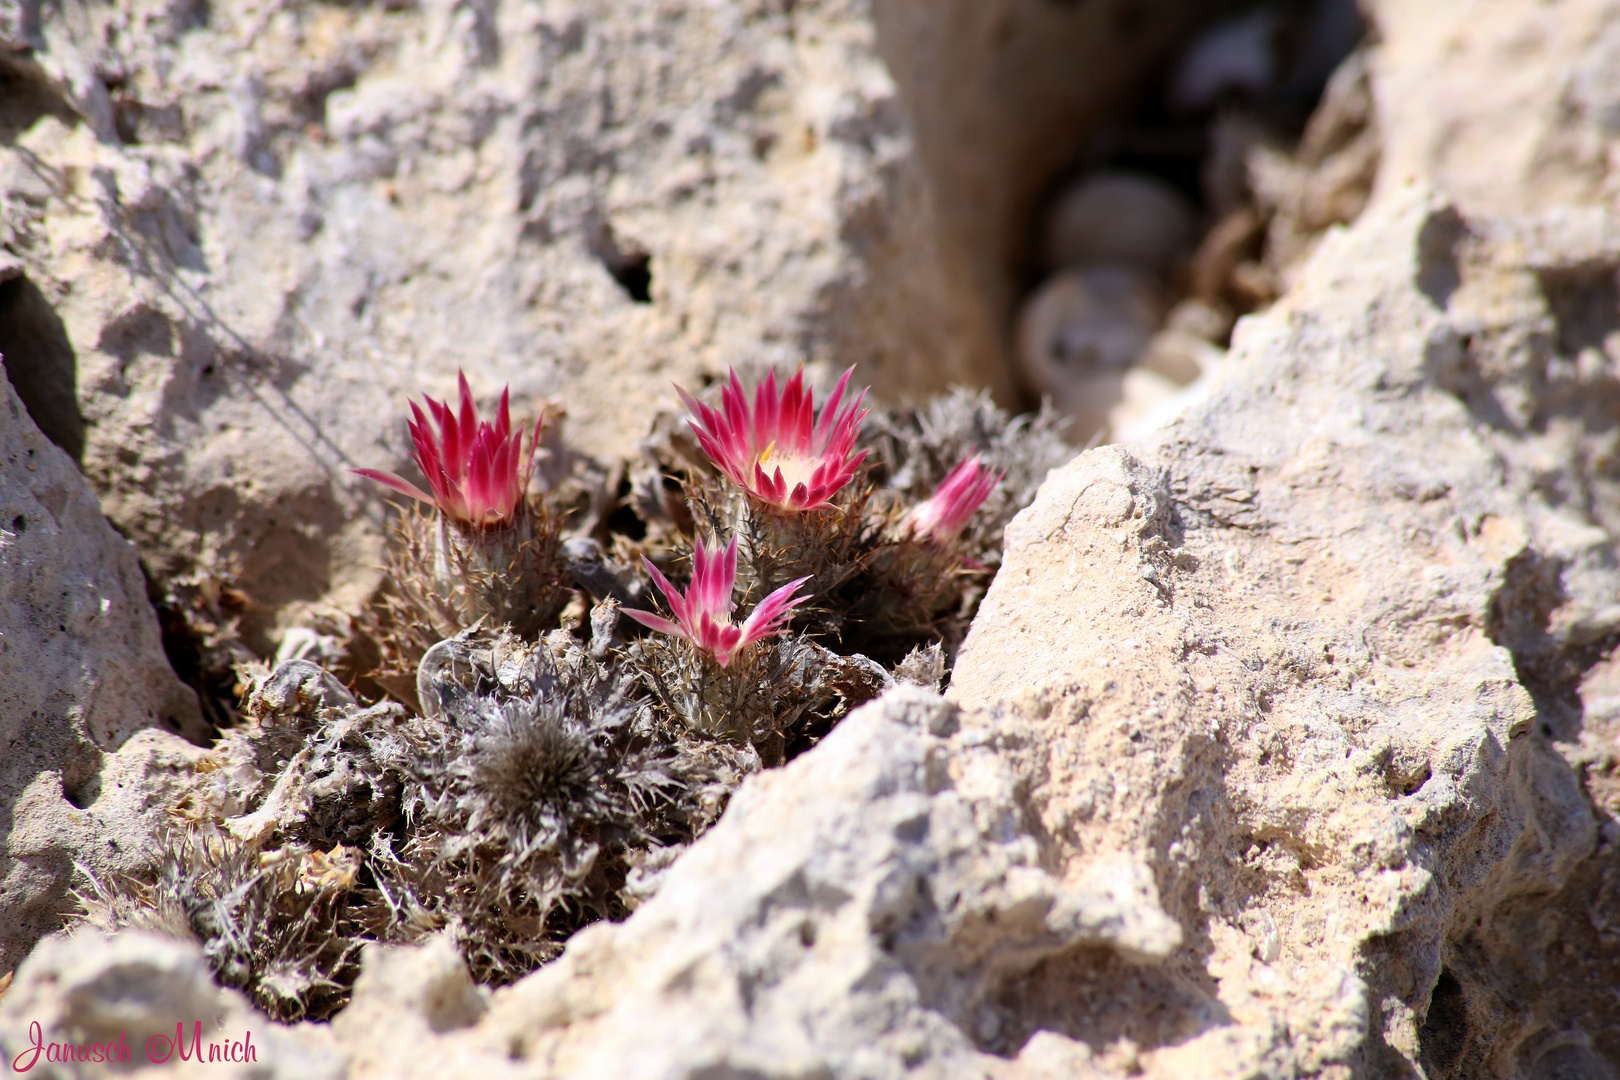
[1255, 766]
[261, 228]
[1283, 744]
[1519, 118]
[871, 908]
[1320, 633]
[90, 712]
[1318, 659]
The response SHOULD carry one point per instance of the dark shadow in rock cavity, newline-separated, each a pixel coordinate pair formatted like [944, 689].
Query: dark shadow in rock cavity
[27, 96]
[627, 261]
[1585, 304]
[1096, 997]
[1438, 275]
[41, 364]
[1570, 1061]
[1444, 1033]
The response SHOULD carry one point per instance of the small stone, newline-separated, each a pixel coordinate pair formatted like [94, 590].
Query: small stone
[1570, 1061]
[1049, 1054]
[1163, 382]
[133, 982]
[1118, 217]
[1266, 938]
[1078, 334]
[1238, 53]
[1205, 319]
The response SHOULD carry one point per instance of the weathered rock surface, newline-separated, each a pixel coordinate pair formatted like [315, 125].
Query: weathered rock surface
[1295, 632]
[1255, 774]
[247, 233]
[1284, 743]
[272, 224]
[1521, 115]
[90, 711]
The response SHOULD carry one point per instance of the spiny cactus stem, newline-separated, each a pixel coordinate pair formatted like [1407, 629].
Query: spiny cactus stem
[484, 550]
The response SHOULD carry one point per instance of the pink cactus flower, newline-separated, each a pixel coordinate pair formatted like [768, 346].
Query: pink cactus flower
[779, 451]
[941, 517]
[703, 612]
[477, 470]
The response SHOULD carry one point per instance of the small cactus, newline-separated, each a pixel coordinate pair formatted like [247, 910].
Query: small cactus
[542, 760]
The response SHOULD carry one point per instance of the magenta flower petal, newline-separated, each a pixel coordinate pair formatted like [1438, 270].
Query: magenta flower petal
[398, 483]
[944, 514]
[675, 598]
[773, 612]
[654, 622]
[703, 612]
[477, 472]
[779, 449]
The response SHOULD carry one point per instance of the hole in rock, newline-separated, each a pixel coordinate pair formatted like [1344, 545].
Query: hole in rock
[190, 15]
[1191, 205]
[1405, 783]
[184, 638]
[624, 519]
[1585, 305]
[1095, 997]
[1570, 1061]
[628, 262]
[41, 364]
[26, 97]
[1549, 665]
[1444, 1033]
[634, 274]
[1438, 273]
[1581, 380]
[1528, 989]
[81, 776]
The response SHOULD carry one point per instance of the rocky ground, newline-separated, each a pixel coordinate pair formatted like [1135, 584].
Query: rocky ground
[1284, 742]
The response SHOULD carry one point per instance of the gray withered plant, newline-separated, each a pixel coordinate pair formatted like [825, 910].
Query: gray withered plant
[550, 774]
[265, 861]
[284, 925]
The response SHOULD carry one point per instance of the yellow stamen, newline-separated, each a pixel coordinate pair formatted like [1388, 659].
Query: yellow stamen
[766, 454]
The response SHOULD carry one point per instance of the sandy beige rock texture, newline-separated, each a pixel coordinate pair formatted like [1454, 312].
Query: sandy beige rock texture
[1284, 744]
[90, 712]
[1255, 774]
[1321, 625]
